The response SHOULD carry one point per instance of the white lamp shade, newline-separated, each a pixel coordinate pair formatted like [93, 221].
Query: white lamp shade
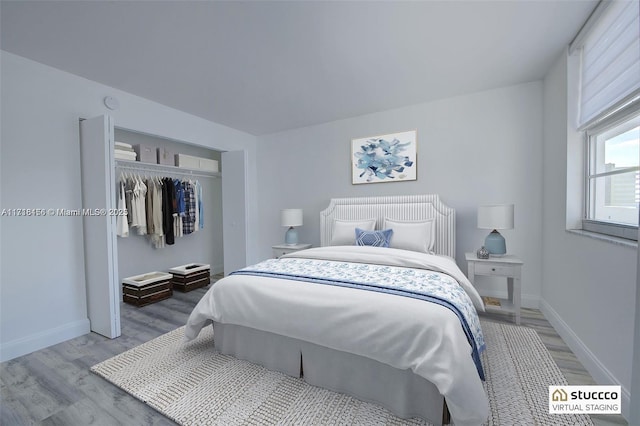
[291, 217]
[498, 216]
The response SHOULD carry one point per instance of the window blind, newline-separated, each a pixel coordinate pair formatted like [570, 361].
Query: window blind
[610, 62]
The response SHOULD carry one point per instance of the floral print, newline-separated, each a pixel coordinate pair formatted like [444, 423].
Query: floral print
[382, 159]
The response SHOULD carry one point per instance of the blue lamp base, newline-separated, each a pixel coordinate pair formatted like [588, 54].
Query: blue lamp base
[291, 237]
[495, 244]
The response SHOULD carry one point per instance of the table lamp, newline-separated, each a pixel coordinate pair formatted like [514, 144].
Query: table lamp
[291, 218]
[495, 217]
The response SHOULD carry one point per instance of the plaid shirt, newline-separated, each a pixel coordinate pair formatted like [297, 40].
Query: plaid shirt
[189, 219]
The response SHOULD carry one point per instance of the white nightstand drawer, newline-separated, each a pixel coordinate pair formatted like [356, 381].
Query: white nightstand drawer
[278, 253]
[282, 249]
[497, 270]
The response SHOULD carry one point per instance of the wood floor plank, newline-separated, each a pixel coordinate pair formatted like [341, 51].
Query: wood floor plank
[12, 412]
[82, 412]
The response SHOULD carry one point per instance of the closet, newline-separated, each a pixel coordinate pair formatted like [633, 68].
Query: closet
[136, 253]
[109, 258]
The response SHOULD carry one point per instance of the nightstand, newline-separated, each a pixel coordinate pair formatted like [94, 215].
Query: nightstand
[508, 266]
[282, 249]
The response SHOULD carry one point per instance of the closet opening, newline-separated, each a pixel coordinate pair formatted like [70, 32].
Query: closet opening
[140, 252]
[108, 258]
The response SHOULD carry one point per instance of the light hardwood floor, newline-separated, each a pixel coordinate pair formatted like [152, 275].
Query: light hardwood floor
[53, 386]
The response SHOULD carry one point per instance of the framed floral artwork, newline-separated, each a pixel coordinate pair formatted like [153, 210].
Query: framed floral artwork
[384, 158]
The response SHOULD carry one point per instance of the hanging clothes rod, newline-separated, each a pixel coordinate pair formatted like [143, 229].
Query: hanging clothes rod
[161, 168]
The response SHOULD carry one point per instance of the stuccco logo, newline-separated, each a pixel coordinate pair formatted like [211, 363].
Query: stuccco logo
[559, 395]
[585, 399]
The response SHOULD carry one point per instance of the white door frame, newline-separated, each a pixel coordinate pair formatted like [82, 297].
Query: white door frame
[99, 231]
[234, 210]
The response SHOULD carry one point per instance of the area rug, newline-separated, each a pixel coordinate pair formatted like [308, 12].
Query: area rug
[194, 385]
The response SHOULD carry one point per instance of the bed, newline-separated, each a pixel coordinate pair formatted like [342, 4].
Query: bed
[322, 314]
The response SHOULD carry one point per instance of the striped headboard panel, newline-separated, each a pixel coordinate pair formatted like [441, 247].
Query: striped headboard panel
[400, 207]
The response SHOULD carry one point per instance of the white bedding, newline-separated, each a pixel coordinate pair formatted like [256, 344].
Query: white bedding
[403, 332]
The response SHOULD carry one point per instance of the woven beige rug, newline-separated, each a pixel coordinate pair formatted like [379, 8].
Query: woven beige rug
[193, 385]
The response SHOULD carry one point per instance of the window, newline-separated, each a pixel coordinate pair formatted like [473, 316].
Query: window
[613, 186]
[608, 47]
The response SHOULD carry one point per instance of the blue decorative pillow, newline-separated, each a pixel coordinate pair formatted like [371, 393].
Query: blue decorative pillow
[373, 238]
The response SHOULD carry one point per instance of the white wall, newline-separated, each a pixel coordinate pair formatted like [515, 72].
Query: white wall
[479, 148]
[588, 291]
[42, 294]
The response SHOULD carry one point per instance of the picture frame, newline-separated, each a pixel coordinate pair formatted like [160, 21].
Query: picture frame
[384, 158]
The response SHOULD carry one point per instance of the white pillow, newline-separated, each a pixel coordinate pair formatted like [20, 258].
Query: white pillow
[412, 235]
[344, 231]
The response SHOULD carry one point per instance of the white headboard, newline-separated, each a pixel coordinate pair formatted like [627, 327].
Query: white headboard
[400, 207]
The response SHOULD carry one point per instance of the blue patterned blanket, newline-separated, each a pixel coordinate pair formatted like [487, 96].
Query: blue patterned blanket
[420, 284]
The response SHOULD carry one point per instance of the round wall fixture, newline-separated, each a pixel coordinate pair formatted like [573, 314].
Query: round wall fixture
[111, 103]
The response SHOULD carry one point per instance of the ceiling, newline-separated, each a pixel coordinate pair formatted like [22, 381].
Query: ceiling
[266, 66]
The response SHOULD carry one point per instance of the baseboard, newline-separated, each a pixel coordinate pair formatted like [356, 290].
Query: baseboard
[43, 339]
[591, 363]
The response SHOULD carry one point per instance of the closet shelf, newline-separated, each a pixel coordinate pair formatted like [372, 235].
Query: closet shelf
[163, 168]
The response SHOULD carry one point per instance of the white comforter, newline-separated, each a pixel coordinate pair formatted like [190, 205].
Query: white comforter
[399, 331]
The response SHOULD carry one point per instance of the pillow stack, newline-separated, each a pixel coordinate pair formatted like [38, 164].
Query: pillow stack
[412, 235]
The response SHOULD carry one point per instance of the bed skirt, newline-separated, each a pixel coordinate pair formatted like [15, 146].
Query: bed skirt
[402, 392]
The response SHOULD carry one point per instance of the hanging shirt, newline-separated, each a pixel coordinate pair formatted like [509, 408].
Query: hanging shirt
[158, 232]
[135, 211]
[149, 206]
[178, 208]
[139, 205]
[128, 195]
[196, 199]
[177, 225]
[154, 212]
[168, 197]
[179, 204]
[122, 224]
[200, 205]
[188, 221]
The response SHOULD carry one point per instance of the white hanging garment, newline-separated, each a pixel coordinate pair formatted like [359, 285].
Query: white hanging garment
[157, 238]
[122, 224]
[177, 225]
[135, 211]
[139, 195]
